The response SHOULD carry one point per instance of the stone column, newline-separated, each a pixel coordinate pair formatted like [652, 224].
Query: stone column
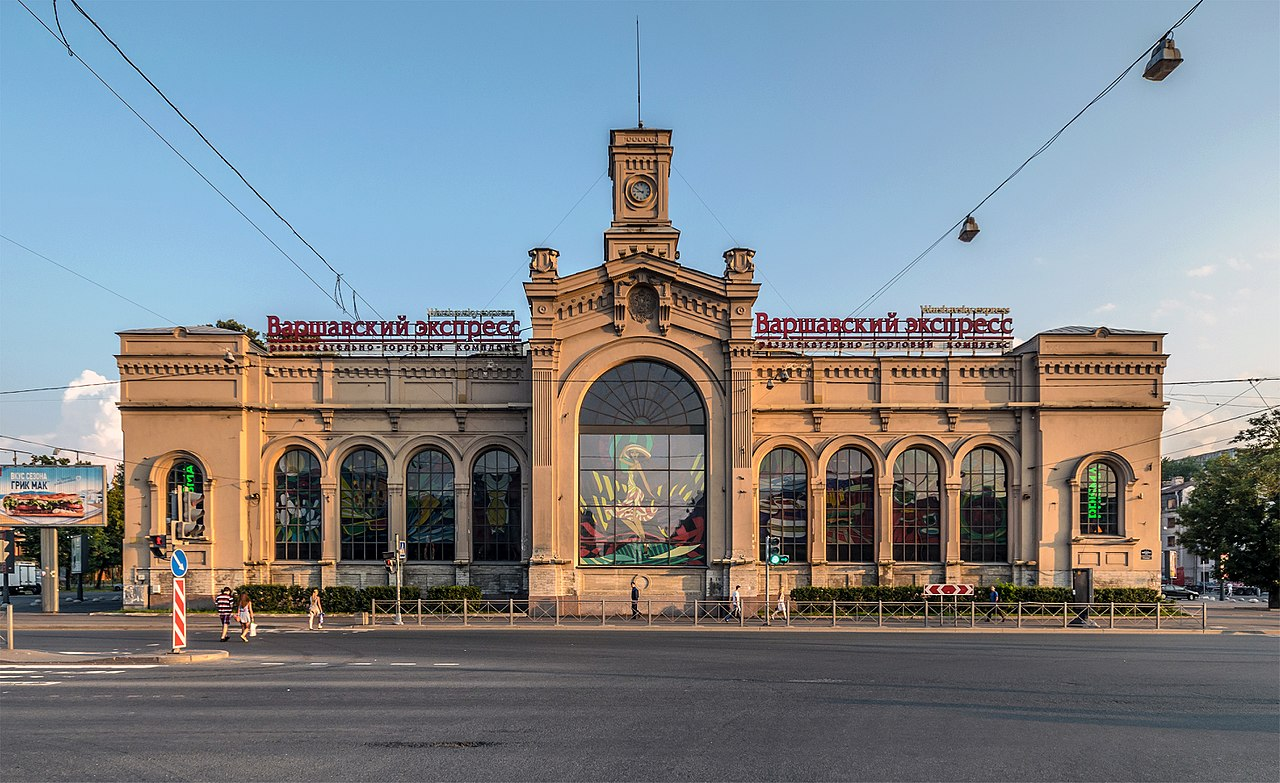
[950, 544]
[884, 529]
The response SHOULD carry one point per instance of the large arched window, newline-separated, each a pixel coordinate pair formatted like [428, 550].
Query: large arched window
[495, 507]
[297, 506]
[917, 508]
[784, 503]
[185, 490]
[851, 508]
[642, 469]
[428, 499]
[364, 505]
[1099, 501]
[984, 508]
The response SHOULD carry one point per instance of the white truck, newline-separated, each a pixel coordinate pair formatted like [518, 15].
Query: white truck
[25, 578]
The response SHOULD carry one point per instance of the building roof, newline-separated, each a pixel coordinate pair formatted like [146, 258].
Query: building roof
[1092, 329]
[189, 329]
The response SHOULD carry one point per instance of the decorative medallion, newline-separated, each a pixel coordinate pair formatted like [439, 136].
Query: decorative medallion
[643, 303]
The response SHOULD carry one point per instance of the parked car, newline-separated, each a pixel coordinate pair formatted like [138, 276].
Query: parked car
[1246, 591]
[1176, 591]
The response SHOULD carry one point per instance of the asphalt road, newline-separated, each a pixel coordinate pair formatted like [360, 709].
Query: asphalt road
[493, 704]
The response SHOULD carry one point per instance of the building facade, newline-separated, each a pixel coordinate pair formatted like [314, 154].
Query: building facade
[638, 427]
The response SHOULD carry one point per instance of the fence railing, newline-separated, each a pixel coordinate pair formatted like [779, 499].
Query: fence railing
[580, 612]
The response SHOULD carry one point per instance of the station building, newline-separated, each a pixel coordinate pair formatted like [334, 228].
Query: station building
[648, 422]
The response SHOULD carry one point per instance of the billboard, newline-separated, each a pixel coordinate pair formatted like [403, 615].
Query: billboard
[53, 496]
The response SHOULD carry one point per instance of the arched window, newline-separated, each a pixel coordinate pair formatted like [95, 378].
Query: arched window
[1099, 501]
[495, 507]
[784, 503]
[917, 508]
[297, 506]
[984, 508]
[642, 469]
[185, 490]
[851, 508]
[428, 498]
[363, 505]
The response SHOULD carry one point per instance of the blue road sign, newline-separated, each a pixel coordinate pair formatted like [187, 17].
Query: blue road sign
[178, 563]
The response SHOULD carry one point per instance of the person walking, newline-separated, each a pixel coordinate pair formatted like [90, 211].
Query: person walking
[315, 612]
[635, 600]
[244, 613]
[783, 608]
[993, 611]
[226, 606]
[735, 604]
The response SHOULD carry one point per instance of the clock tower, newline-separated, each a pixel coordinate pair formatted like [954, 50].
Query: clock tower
[640, 167]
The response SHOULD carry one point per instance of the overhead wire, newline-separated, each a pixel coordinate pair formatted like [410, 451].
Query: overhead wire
[354, 294]
[1039, 151]
[185, 160]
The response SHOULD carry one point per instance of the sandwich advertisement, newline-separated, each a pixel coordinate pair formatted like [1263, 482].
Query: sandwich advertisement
[61, 496]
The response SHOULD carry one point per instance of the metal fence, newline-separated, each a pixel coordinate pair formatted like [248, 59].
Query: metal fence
[578, 612]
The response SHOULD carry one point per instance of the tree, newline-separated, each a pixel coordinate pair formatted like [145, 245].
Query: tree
[1233, 517]
[1189, 468]
[233, 324]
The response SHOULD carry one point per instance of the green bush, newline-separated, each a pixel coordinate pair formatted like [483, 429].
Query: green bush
[1012, 594]
[388, 593]
[341, 599]
[1126, 595]
[862, 593]
[454, 593]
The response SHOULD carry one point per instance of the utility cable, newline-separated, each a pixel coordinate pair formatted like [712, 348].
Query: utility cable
[190, 165]
[221, 157]
[1043, 147]
[88, 280]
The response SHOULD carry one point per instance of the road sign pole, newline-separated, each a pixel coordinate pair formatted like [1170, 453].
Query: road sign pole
[400, 555]
[179, 613]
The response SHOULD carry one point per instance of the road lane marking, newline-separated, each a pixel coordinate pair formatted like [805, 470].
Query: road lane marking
[360, 664]
[404, 664]
[271, 663]
[446, 664]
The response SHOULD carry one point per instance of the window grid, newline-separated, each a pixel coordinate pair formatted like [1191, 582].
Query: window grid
[298, 506]
[429, 507]
[1099, 501]
[364, 506]
[784, 503]
[917, 508]
[495, 503]
[984, 508]
[851, 506]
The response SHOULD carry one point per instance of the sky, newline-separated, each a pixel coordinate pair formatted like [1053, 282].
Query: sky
[423, 148]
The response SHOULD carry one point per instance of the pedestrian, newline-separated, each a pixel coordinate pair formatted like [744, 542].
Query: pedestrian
[735, 604]
[993, 611]
[315, 612]
[244, 613]
[635, 600]
[783, 608]
[226, 607]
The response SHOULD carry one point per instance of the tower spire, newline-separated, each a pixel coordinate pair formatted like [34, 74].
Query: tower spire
[639, 122]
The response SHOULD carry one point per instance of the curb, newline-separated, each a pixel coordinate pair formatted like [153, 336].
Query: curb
[196, 656]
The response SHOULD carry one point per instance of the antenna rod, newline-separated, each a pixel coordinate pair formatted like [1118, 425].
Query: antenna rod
[639, 122]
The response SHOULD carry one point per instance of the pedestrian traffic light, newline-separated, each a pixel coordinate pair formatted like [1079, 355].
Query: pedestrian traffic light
[159, 545]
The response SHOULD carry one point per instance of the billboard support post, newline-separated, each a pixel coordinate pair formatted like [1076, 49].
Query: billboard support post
[49, 562]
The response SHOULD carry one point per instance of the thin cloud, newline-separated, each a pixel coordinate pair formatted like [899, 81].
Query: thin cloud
[1106, 308]
[1202, 271]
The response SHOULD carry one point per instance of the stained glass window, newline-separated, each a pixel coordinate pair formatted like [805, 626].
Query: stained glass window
[851, 507]
[784, 503]
[642, 469]
[364, 506]
[1099, 501]
[984, 508]
[298, 506]
[495, 507]
[917, 508]
[185, 489]
[428, 497]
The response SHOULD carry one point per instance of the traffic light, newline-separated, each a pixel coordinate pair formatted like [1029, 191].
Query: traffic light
[773, 551]
[159, 545]
[192, 514]
[389, 560]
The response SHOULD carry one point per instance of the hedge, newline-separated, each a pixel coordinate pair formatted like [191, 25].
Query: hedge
[1008, 594]
[339, 599]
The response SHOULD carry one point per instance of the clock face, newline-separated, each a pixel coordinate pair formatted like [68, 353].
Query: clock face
[641, 190]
